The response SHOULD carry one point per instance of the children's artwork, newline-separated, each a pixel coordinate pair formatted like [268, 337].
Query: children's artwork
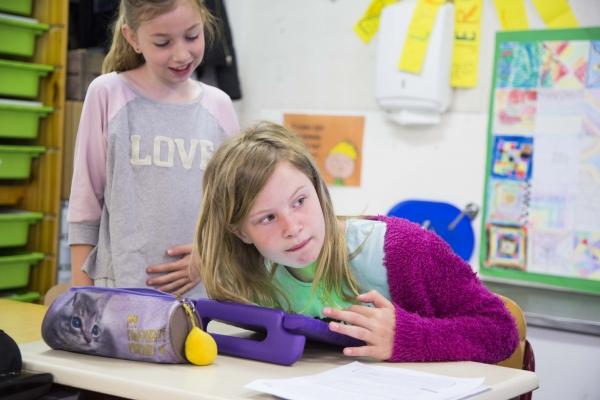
[591, 114]
[335, 141]
[587, 255]
[508, 201]
[586, 207]
[515, 111]
[559, 112]
[512, 157]
[550, 252]
[548, 211]
[564, 64]
[506, 246]
[593, 73]
[541, 219]
[518, 64]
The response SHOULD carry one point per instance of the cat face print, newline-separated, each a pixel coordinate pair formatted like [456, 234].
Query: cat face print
[79, 325]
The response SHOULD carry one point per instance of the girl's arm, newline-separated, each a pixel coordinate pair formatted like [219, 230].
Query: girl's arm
[89, 163]
[79, 253]
[89, 177]
[443, 311]
[440, 311]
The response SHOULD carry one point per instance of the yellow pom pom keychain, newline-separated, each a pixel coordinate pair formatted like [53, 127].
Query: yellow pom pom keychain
[200, 347]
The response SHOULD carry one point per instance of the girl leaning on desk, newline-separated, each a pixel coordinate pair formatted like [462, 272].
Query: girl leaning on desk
[267, 235]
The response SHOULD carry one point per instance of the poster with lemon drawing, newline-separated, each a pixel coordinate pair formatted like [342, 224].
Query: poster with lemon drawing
[335, 142]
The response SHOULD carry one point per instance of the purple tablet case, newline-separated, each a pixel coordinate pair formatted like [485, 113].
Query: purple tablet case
[284, 334]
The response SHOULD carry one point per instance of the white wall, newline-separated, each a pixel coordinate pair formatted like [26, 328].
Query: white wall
[303, 55]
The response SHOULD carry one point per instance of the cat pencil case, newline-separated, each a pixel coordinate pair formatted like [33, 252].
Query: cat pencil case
[134, 324]
[150, 325]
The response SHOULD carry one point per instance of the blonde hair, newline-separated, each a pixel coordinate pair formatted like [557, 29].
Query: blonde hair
[233, 270]
[121, 56]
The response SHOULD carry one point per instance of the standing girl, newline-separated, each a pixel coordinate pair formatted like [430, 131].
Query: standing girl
[267, 234]
[146, 133]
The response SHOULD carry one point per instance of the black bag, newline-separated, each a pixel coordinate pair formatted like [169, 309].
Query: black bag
[14, 383]
[24, 386]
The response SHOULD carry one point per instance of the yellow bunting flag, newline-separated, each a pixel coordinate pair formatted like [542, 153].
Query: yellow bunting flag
[368, 24]
[556, 13]
[417, 37]
[512, 15]
[465, 52]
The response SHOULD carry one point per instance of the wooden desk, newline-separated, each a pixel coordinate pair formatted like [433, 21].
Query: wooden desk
[21, 321]
[225, 379]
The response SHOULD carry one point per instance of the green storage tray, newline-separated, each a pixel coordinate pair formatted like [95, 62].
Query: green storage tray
[21, 119]
[18, 34]
[15, 161]
[14, 269]
[21, 79]
[27, 297]
[23, 7]
[14, 226]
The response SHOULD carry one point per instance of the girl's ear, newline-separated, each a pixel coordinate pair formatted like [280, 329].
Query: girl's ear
[131, 37]
[241, 235]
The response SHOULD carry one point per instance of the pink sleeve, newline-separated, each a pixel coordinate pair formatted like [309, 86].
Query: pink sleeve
[220, 105]
[89, 164]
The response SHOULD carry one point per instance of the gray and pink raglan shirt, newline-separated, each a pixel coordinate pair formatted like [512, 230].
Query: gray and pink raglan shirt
[137, 176]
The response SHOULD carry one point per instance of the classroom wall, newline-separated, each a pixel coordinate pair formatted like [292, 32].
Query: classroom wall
[303, 56]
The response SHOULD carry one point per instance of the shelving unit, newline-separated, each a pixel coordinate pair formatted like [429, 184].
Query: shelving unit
[41, 192]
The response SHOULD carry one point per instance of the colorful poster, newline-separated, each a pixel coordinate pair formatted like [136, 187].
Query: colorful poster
[335, 142]
[541, 220]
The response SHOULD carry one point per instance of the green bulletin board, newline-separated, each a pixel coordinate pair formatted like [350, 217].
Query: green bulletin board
[541, 215]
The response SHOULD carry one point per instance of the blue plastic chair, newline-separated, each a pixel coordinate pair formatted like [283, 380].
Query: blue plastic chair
[448, 221]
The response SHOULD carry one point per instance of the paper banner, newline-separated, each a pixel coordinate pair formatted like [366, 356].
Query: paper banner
[465, 53]
[368, 24]
[512, 15]
[556, 13]
[417, 37]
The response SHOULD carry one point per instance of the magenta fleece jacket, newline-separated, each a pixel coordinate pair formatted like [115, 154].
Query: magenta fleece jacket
[443, 311]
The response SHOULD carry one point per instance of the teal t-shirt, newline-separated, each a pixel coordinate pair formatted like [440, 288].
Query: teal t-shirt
[364, 239]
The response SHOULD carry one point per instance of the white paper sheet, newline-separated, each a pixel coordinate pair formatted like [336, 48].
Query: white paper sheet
[358, 381]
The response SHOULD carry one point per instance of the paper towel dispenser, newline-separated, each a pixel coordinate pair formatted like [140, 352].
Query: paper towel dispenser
[409, 98]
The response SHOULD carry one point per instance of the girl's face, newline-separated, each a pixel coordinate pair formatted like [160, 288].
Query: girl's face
[172, 43]
[286, 222]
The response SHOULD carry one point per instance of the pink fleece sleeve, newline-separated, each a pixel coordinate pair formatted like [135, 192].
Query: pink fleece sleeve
[443, 311]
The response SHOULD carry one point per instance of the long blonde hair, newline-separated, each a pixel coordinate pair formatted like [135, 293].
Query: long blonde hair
[233, 270]
[121, 56]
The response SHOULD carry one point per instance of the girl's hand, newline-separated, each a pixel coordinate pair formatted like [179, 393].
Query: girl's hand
[376, 325]
[175, 277]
